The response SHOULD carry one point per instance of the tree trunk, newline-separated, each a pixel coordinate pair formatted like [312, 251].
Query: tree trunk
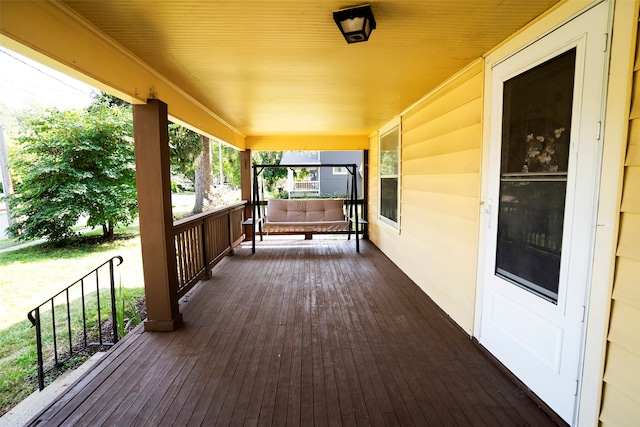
[107, 230]
[7, 185]
[204, 180]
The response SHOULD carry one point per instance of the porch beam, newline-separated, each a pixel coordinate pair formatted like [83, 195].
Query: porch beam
[308, 142]
[150, 131]
[54, 35]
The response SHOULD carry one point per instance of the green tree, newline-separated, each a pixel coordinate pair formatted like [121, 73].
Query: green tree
[185, 148]
[73, 164]
[230, 165]
[107, 100]
[271, 175]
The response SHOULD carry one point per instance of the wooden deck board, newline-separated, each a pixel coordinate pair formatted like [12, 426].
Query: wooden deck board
[301, 333]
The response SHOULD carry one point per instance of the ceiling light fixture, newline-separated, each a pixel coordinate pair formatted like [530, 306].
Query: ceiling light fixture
[355, 23]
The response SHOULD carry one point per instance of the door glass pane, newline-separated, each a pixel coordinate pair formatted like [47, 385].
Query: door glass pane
[537, 108]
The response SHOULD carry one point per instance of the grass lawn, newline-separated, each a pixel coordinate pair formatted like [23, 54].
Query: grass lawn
[182, 204]
[28, 277]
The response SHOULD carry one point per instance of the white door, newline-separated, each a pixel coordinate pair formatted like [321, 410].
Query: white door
[543, 173]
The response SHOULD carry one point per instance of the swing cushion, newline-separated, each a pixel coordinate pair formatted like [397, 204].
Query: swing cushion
[305, 215]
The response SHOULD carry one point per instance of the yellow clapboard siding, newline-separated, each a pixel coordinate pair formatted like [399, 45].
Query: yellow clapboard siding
[633, 154]
[631, 190]
[448, 280]
[458, 281]
[453, 250]
[628, 246]
[626, 287]
[465, 185]
[618, 409]
[466, 115]
[635, 97]
[625, 321]
[634, 131]
[633, 149]
[425, 222]
[461, 95]
[465, 85]
[460, 162]
[637, 62]
[620, 404]
[466, 208]
[462, 139]
[623, 370]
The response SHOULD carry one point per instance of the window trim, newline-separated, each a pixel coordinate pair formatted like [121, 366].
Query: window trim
[395, 124]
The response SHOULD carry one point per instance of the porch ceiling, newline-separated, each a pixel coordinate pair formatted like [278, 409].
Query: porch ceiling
[281, 67]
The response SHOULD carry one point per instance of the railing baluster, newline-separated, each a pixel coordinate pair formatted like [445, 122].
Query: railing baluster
[183, 265]
[69, 322]
[191, 259]
[114, 323]
[178, 259]
[229, 227]
[201, 249]
[98, 302]
[53, 325]
[188, 236]
[36, 322]
[84, 312]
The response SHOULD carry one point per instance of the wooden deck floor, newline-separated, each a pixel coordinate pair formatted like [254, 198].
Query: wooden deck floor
[301, 333]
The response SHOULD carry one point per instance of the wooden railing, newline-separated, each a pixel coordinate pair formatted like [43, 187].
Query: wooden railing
[306, 186]
[203, 240]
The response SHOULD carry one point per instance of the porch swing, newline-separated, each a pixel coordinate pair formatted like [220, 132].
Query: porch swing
[305, 216]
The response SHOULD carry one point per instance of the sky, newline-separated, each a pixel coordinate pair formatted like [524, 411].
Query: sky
[24, 82]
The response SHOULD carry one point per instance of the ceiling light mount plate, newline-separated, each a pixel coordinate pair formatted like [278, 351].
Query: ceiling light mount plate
[355, 23]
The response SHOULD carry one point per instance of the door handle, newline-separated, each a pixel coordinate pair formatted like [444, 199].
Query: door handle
[485, 208]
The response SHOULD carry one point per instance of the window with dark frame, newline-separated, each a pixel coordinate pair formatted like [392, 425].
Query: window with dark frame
[389, 163]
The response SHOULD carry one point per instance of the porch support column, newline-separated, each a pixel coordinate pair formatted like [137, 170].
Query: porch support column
[150, 131]
[245, 182]
[365, 192]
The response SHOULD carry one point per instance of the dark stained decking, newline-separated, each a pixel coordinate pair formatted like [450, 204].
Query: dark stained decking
[301, 333]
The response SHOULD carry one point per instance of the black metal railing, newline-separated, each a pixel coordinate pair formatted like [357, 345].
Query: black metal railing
[62, 331]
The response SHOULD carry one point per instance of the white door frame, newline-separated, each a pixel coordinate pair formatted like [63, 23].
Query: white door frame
[586, 414]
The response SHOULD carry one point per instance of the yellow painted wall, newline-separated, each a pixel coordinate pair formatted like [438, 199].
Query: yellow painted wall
[440, 195]
[621, 389]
